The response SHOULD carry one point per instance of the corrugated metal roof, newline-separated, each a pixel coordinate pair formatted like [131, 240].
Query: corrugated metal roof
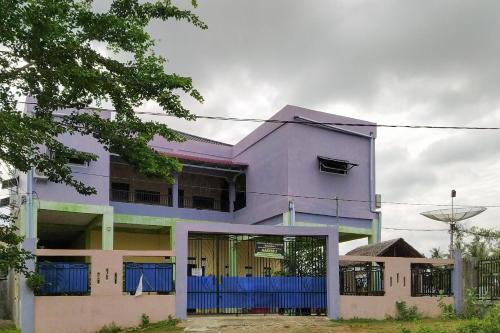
[192, 137]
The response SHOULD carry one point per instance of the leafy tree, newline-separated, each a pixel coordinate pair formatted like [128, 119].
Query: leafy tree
[48, 51]
[11, 255]
[479, 242]
[437, 253]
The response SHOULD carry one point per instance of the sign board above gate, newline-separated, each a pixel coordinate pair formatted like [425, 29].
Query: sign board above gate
[269, 250]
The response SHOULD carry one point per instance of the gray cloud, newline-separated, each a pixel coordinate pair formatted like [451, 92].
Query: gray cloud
[432, 62]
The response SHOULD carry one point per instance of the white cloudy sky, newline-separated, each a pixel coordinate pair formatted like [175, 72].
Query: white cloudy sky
[398, 62]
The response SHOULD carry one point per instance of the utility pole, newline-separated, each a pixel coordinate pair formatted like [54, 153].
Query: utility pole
[29, 244]
[337, 210]
[452, 223]
[291, 209]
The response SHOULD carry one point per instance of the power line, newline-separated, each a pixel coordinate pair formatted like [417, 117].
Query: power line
[411, 229]
[278, 121]
[292, 195]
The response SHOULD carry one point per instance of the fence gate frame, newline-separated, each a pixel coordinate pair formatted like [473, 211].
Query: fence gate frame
[183, 229]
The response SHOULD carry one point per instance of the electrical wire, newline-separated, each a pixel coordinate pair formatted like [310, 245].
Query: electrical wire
[278, 121]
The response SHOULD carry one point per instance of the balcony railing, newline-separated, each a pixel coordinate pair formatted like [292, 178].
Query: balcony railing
[144, 197]
[155, 198]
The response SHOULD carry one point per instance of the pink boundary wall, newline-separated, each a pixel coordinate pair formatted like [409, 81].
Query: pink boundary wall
[106, 303]
[379, 307]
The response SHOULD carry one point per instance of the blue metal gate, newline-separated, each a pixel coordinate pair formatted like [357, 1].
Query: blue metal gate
[256, 274]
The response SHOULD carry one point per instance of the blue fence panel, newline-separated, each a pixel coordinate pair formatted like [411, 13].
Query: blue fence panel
[155, 277]
[202, 292]
[64, 278]
[257, 292]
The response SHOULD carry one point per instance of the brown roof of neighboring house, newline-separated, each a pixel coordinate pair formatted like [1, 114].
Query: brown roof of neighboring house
[391, 248]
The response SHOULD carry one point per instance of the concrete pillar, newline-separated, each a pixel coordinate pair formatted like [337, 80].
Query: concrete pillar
[375, 236]
[107, 230]
[175, 191]
[27, 298]
[457, 281]
[181, 253]
[333, 284]
[172, 246]
[233, 258]
[232, 195]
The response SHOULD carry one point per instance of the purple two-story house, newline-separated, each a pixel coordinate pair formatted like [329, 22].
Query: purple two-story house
[305, 170]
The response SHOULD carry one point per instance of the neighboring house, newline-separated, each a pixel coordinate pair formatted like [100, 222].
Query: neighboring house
[251, 182]
[390, 248]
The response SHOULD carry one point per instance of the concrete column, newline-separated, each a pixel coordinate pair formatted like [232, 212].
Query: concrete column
[107, 231]
[181, 253]
[375, 236]
[233, 258]
[27, 298]
[456, 282]
[232, 195]
[175, 191]
[333, 284]
[172, 247]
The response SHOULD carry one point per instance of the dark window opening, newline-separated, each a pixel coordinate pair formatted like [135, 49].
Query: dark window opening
[203, 202]
[120, 192]
[77, 161]
[150, 197]
[339, 167]
[241, 196]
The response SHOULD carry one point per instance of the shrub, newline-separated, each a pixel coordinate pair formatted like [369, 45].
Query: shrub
[35, 281]
[405, 313]
[489, 324]
[474, 307]
[144, 320]
[172, 321]
[424, 329]
[447, 310]
[111, 328]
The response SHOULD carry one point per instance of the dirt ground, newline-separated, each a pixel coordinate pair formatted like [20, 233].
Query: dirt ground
[312, 324]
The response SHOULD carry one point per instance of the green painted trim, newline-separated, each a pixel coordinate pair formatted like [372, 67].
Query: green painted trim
[107, 232]
[75, 207]
[375, 232]
[354, 230]
[138, 230]
[153, 220]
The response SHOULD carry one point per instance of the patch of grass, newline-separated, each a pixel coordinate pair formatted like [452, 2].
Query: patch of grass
[169, 325]
[426, 325]
[9, 329]
[159, 327]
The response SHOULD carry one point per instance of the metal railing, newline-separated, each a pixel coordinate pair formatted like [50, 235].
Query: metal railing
[61, 278]
[212, 204]
[141, 196]
[156, 277]
[361, 280]
[488, 270]
[431, 281]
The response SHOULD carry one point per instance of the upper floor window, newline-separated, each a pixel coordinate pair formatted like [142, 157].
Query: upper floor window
[330, 165]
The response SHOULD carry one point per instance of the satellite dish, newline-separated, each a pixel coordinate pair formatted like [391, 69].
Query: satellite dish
[453, 215]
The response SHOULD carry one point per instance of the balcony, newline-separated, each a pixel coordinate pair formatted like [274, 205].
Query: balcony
[155, 198]
[197, 188]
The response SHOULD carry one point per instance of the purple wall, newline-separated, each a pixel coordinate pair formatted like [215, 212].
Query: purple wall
[282, 162]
